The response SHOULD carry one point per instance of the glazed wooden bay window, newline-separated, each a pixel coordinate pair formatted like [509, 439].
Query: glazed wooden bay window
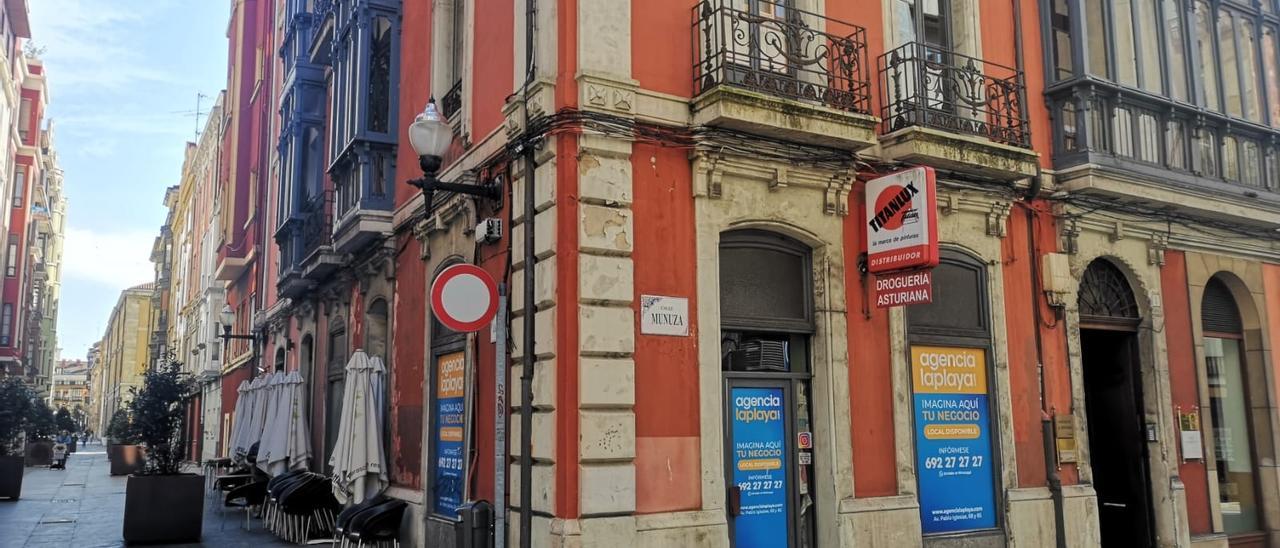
[363, 129]
[1187, 90]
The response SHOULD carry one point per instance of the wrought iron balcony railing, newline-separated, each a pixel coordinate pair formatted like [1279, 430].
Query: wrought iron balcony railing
[926, 86]
[317, 224]
[771, 48]
[452, 101]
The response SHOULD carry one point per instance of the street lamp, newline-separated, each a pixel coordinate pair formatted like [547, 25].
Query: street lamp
[430, 137]
[228, 317]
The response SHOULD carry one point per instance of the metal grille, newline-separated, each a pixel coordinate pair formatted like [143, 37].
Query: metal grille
[1105, 293]
[924, 85]
[775, 49]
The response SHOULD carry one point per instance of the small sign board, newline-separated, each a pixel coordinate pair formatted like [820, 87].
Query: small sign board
[660, 315]
[902, 228]
[904, 288]
[805, 440]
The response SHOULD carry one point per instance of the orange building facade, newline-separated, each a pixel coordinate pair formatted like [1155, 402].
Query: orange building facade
[706, 165]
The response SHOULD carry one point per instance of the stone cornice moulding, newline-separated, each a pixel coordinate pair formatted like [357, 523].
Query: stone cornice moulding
[1160, 237]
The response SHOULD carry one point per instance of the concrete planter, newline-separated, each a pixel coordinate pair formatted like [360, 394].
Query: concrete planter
[164, 509]
[125, 459]
[40, 453]
[11, 477]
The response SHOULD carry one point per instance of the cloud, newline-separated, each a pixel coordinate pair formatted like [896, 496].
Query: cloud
[114, 259]
[97, 44]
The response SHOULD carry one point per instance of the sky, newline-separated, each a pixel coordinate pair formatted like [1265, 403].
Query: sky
[123, 82]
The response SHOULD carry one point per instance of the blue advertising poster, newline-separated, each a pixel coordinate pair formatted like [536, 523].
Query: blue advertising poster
[953, 441]
[449, 425]
[759, 462]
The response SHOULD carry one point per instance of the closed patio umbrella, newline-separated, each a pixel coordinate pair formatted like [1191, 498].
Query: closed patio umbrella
[275, 421]
[359, 467]
[237, 427]
[285, 437]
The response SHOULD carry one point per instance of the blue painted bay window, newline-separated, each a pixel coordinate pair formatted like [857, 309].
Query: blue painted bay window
[365, 84]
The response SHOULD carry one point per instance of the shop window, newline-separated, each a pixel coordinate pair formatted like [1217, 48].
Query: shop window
[1229, 408]
[766, 364]
[950, 340]
[446, 464]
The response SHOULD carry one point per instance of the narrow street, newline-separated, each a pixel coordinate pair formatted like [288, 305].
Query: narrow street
[83, 506]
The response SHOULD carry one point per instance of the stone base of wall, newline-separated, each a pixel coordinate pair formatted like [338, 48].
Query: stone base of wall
[881, 522]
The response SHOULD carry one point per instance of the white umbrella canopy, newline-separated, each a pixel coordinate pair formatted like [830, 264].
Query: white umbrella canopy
[260, 408]
[252, 421]
[359, 466]
[275, 422]
[299, 437]
[237, 427]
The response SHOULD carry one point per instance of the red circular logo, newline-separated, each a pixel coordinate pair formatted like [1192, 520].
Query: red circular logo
[894, 221]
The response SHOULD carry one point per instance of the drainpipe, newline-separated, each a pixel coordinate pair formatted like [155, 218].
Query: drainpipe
[526, 370]
[1046, 413]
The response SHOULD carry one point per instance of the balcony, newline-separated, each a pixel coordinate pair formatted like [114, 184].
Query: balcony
[363, 195]
[306, 247]
[956, 112]
[1123, 144]
[781, 72]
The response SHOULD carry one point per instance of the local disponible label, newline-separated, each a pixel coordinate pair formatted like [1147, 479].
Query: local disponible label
[759, 462]
[904, 288]
[661, 315]
[901, 228]
[953, 442]
[449, 426]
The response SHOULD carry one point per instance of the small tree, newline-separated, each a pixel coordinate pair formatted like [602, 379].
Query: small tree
[16, 404]
[120, 429]
[64, 421]
[157, 417]
[42, 426]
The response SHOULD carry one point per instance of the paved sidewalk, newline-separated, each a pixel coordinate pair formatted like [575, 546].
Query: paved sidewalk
[83, 506]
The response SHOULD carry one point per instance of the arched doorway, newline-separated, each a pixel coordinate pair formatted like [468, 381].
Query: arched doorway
[766, 326]
[1118, 438]
[1229, 415]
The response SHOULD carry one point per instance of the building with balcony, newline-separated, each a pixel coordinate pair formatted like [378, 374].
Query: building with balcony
[48, 227]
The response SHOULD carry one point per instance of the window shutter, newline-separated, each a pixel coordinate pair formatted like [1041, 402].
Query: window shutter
[1218, 311]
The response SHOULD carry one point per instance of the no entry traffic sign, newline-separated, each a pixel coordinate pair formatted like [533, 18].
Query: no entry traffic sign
[464, 298]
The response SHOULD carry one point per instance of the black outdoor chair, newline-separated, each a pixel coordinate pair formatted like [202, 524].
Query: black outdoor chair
[343, 523]
[275, 488]
[248, 497]
[377, 526]
[308, 506]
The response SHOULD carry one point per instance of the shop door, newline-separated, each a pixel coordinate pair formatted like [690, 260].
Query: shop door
[760, 460]
[1117, 437]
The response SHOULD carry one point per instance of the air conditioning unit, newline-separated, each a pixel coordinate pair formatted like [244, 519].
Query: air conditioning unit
[759, 355]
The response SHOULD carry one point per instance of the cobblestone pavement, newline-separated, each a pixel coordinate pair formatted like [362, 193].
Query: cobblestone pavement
[83, 506]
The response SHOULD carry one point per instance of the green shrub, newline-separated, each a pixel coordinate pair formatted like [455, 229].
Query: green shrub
[158, 411]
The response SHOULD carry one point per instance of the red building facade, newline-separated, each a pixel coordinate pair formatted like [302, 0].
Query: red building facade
[689, 290]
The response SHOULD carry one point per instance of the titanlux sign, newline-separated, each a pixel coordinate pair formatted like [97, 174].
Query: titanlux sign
[902, 230]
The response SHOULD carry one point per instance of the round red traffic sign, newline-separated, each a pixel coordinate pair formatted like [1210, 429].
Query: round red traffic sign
[464, 298]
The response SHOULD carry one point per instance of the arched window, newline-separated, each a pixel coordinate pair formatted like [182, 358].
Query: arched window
[336, 379]
[1229, 409]
[1105, 297]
